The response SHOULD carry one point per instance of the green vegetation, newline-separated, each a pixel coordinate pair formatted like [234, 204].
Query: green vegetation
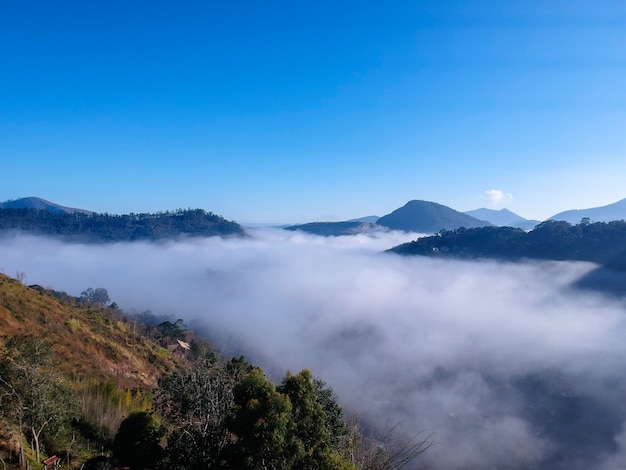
[98, 228]
[601, 242]
[99, 389]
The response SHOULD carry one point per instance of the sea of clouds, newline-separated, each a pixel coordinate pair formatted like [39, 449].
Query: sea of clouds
[505, 364]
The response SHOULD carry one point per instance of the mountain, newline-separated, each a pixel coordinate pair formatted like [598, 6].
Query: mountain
[599, 242]
[615, 211]
[335, 229]
[370, 219]
[40, 204]
[428, 217]
[104, 228]
[503, 218]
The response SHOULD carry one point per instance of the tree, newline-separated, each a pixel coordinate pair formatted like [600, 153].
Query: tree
[34, 394]
[309, 417]
[136, 443]
[197, 405]
[263, 425]
[174, 330]
[98, 296]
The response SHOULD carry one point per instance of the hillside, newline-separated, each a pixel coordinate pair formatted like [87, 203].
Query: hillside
[428, 217]
[85, 365]
[328, 229]
[101, 228]
[106, 336]
[601, 243]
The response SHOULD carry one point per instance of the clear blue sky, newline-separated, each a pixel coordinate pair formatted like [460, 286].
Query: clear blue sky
[284, 111]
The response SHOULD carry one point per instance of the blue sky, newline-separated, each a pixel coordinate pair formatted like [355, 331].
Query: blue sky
[283, 111]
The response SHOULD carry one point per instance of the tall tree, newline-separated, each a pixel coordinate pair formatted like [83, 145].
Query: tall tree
[97, 296]
[136, 443]
[197, 404]
[263, 425]
[36, 396]
[309, 418]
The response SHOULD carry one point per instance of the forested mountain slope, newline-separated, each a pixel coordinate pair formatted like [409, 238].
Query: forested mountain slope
[603, 243]
[98, 228]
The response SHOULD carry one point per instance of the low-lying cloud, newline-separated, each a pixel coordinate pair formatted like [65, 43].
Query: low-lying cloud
[506, 364]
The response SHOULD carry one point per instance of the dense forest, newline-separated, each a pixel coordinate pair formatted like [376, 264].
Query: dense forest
[93, 387]
[98, 228]
[601, 242]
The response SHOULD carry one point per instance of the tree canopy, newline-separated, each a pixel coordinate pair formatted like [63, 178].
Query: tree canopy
[98, 228]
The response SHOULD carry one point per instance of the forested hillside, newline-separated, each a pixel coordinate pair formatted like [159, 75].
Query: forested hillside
[98, 388]
[601, 242]
[98, 228]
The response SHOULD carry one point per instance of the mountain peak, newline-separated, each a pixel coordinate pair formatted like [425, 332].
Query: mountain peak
[38, 203]
[428, 217]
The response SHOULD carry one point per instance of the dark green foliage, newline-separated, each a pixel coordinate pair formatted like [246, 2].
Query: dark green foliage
[98, 296]
[297, 425]
[600, 242]
[263, 425]
[333, 414]
[310, 421]
[97, 228]
[136, 443]
[174, 330]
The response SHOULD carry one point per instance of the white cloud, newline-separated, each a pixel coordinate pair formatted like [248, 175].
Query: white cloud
[498, 197]
[500, 361]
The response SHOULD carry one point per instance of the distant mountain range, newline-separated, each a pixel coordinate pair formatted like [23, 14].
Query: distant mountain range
[430, 217]
[415, 216]
[503, 218]
[615, 211]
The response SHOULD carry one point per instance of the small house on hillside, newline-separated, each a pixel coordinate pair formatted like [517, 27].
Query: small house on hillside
[180, 348]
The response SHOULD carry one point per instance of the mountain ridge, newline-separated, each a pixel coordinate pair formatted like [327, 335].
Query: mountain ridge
[428, 217]
[503, 217]
[33, 202]
[607, 213]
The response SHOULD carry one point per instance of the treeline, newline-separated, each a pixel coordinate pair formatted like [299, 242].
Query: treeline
[105, 227]
[600, 242]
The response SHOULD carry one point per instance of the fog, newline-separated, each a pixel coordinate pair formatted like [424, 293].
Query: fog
[505, 364]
